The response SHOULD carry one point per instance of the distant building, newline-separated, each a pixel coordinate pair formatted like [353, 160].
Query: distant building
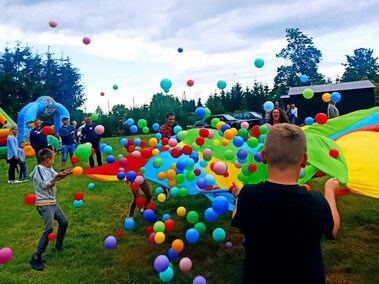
[354, 96]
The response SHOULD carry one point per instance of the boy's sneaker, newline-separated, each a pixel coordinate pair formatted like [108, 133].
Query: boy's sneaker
[36, 262]
[128, 218]
[168, 194]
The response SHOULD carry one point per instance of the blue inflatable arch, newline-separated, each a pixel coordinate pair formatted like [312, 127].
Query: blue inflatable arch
[44, 106]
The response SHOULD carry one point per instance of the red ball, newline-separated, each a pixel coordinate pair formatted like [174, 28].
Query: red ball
[92, 151]
[140, 201]
[255, 131]
[142, 144]
[321, 118]
[86, 40]
[190, 83]
[53, 24]
[78, 196]
[175, 152]
[169, 224]
[212, 166]
[151, 206]
[51, 237]
[149, 230]
[118, 234]
[252, 168]
[147, 153]
[130, 148]
[334, 153]
[226, 174]
[164, 141]
[187, 150]
[30, 199]
[203, 132]
[74, 159]
[197, 172]
[47, 130]
[134, 186]
[200, 141]
[130, 142]
[209, 187]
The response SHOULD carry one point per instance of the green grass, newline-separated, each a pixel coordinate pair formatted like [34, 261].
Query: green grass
[351, 258]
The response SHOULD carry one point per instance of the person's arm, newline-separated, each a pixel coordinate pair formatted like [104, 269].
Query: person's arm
[332, 188]
[236, 192]
[63, 132]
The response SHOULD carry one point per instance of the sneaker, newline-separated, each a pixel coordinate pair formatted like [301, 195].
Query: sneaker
[36, 262]
[10, 181]
[168, 195]
[128, 218]
[17, 181]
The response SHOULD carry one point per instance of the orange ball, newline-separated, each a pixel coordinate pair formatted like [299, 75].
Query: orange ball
[177, 245]
[161, 175]
[225, 142]
[170, 174]
[77, 171]
[229, 134]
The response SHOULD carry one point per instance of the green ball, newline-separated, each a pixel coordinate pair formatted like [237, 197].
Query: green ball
[157, 163]
[190, 176]
[229, 155]
[159, 226]
[201, 228]
[182, 192]
[179, 178]
[245, 170]
[207, 112]
[308, 93]
[252, 142]
[120, 156]
[242, 178]
[83, 152]
[192, 217]
[94, 116]
[263, 129]
[145, 129]
[115, 87]
[214, 122]
[142, 170]
[182, 134]
[142, 123]
[243, 133]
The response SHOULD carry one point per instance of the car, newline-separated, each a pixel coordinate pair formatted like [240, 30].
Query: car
[227, 118]
[252, 117]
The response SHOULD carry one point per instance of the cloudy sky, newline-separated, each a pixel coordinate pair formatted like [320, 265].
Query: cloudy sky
[134, 44]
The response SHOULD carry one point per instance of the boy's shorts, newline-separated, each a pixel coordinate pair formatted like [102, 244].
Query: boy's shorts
[68, 149]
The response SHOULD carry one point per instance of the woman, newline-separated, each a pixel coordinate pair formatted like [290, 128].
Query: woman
[12, 154]
[277, 116]
[167, 129]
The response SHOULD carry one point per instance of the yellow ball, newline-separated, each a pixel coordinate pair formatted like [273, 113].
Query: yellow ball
[219, 124]
[153, 141]
[181, 211]
[159, 237]
[161, 197]
[77, 171]
[155, 152]
[172, 183]
[216, 142]
[326, 97]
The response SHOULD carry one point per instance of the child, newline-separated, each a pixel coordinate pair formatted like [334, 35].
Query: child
[22, 161]
[283, 222]
[146, 190]
[44, 179]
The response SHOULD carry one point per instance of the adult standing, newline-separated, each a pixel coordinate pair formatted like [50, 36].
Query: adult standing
[38, 140]
[12, 154]
[332, 110]
[67, 134]
[89, 135]
[294, 114]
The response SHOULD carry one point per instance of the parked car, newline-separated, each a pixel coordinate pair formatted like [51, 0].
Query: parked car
[252, 117]
[227, 118]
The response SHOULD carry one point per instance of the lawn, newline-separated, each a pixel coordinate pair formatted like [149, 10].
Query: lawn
[352, 258]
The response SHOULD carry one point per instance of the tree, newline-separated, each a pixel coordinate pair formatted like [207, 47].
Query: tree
[304, 58]
[236, 98]
[362, 65]
[256, 97]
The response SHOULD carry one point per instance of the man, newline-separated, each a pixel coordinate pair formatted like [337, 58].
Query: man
[282, 221]
[293, 114]
[89, 135]
[67, 134]
[38, 140]
[332, 110]
[6, 125]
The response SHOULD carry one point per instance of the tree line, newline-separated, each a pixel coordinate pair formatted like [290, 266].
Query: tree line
[26, 75]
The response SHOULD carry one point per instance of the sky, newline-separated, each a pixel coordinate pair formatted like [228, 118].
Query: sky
[134, 44]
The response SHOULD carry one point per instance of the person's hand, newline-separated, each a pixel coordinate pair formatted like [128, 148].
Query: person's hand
[236, 189]
[16, 157]
[332, 185]
[73, 132]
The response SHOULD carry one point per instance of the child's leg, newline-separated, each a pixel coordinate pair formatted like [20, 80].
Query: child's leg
[22, 170]
[133, 204]
[47, 213]
[146, 190]
[62, 226]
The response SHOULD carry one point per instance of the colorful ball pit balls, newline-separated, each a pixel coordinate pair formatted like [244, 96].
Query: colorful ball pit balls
[268, 106]
[86, 40]
[149, 215]
[180, 49]
[190, 83]
[167, 275]
[201, 228]
[129, 224]
[308, 93]
[303, 78]
[30, 199]
[199, 280]
[110, 242]
[192, 217]
[77, 171]
[51, 237]
[47, 130]
[118, 234]
[78, 195]
[99, 129]
[115, 87]
[6, 255]
[53, 24]
[91, 186]
[185, 264]
[210, 215]
[102, 94]
[221, 84]
[177, 245]
[259, 62]
[161, 263]
[159, 237]
[192, 235]
[326, 97]
[78, 203]
[172, 255]
[220, 205]
[335, 97]
[219, 234]
[321, 118]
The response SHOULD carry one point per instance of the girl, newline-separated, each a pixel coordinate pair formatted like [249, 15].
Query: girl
[12, 154]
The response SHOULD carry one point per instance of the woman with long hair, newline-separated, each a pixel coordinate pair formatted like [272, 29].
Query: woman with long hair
[277, 115]
[12, 154]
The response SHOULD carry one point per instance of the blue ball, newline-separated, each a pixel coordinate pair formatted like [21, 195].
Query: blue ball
[161, 263]
[102, 146]
[166, 217]
[131, 175]
[158, 136]
[149, 215]
[177, 129]
[110, 242]
[203, 163]
[221, 84]
[133, 129]
[241, 154]
[268, 106]
[108, 150]
[200, 112]
[194, 156]
[238, 141]
[209, 180]
[192, 235]
[220, 205]
[129, 224]
[309, 120]
[225, 127]
[181, 165]
[155, 126]
[159, 190]
[259, 62]
[123, 142]
[129, 122]
[180, 50]
[201, 183]
[335, 97]
[136, 142]
[120, 175]
[172, 254]
[166, 84]
[210, 215]
[258, 157]
[78, 203]
[110, 159]
[303, 78]
[91, 186]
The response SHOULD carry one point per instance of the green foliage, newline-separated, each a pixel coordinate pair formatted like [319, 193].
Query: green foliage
[25, 75]
[362, 65]
[351, 258]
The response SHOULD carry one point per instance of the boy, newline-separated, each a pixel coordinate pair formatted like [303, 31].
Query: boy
[44, 179]
[282, 221]
[22, 161]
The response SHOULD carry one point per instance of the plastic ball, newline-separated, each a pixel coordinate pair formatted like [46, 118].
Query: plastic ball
[51, 237]
[201, 228]
[161, 263]
[108, 150]
[172, 254]
[308, 93]
[228, 245]
[268, 106]
[166, 84]
[169, 225]
[6, 255]
[181, 211]
[99, 129]
[149, 215]
[53, 24]
[334, 153]
[129, 224]
[47, 130]
[115, 87]
[326, 97]
[78, 203]
[110, 159]
[177, 245]
[219, 234]
[252, 142]
[110, 242]
[78, 195]
[133, 129]
[192, 217]
[199, 280]
[118, 234]
[180, 49]
[91, 186]
[309, 120]
[159, 237]
[221, 84]
[220, 205]
[321, 118]
[335, 97]
[30, 199]
[210, 215]
[102, 94]
[259, 62]
[190, 83]
[185, 264]
[200, 112]
[167, 275]
[303, 78]
[192, 235]
[86, 40]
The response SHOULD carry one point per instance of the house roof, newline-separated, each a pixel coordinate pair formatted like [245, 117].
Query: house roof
[355, 85]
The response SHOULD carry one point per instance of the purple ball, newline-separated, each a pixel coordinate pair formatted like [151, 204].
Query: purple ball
[161, 263]
[110, 242]
[199, 280]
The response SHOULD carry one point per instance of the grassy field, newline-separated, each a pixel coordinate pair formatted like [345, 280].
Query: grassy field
[352, 258]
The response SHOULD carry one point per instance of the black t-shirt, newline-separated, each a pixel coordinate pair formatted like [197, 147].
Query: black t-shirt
[283, 225]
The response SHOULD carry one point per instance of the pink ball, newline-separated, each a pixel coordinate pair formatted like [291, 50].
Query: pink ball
[139, 180]
[136, 154]
[245, 125]
[207, 153]
[185, 264]
[220, 168]
[237, 165]
[53, 24]
[172, 142]
[99, 129]
[86, 40]
[211, 134]
[123, 162]
[151, 238]
[6, 255]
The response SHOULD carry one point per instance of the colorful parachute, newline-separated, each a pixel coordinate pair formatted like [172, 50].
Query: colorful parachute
[345, 147]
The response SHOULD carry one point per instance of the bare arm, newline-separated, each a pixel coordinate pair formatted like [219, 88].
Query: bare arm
[236, 192]
[332, 188]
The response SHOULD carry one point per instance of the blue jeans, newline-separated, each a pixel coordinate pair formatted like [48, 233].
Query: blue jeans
[68, 149]
[49, 214]
[22, 171]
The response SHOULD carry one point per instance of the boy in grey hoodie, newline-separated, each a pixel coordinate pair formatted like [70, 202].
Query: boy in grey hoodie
[44, 178]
